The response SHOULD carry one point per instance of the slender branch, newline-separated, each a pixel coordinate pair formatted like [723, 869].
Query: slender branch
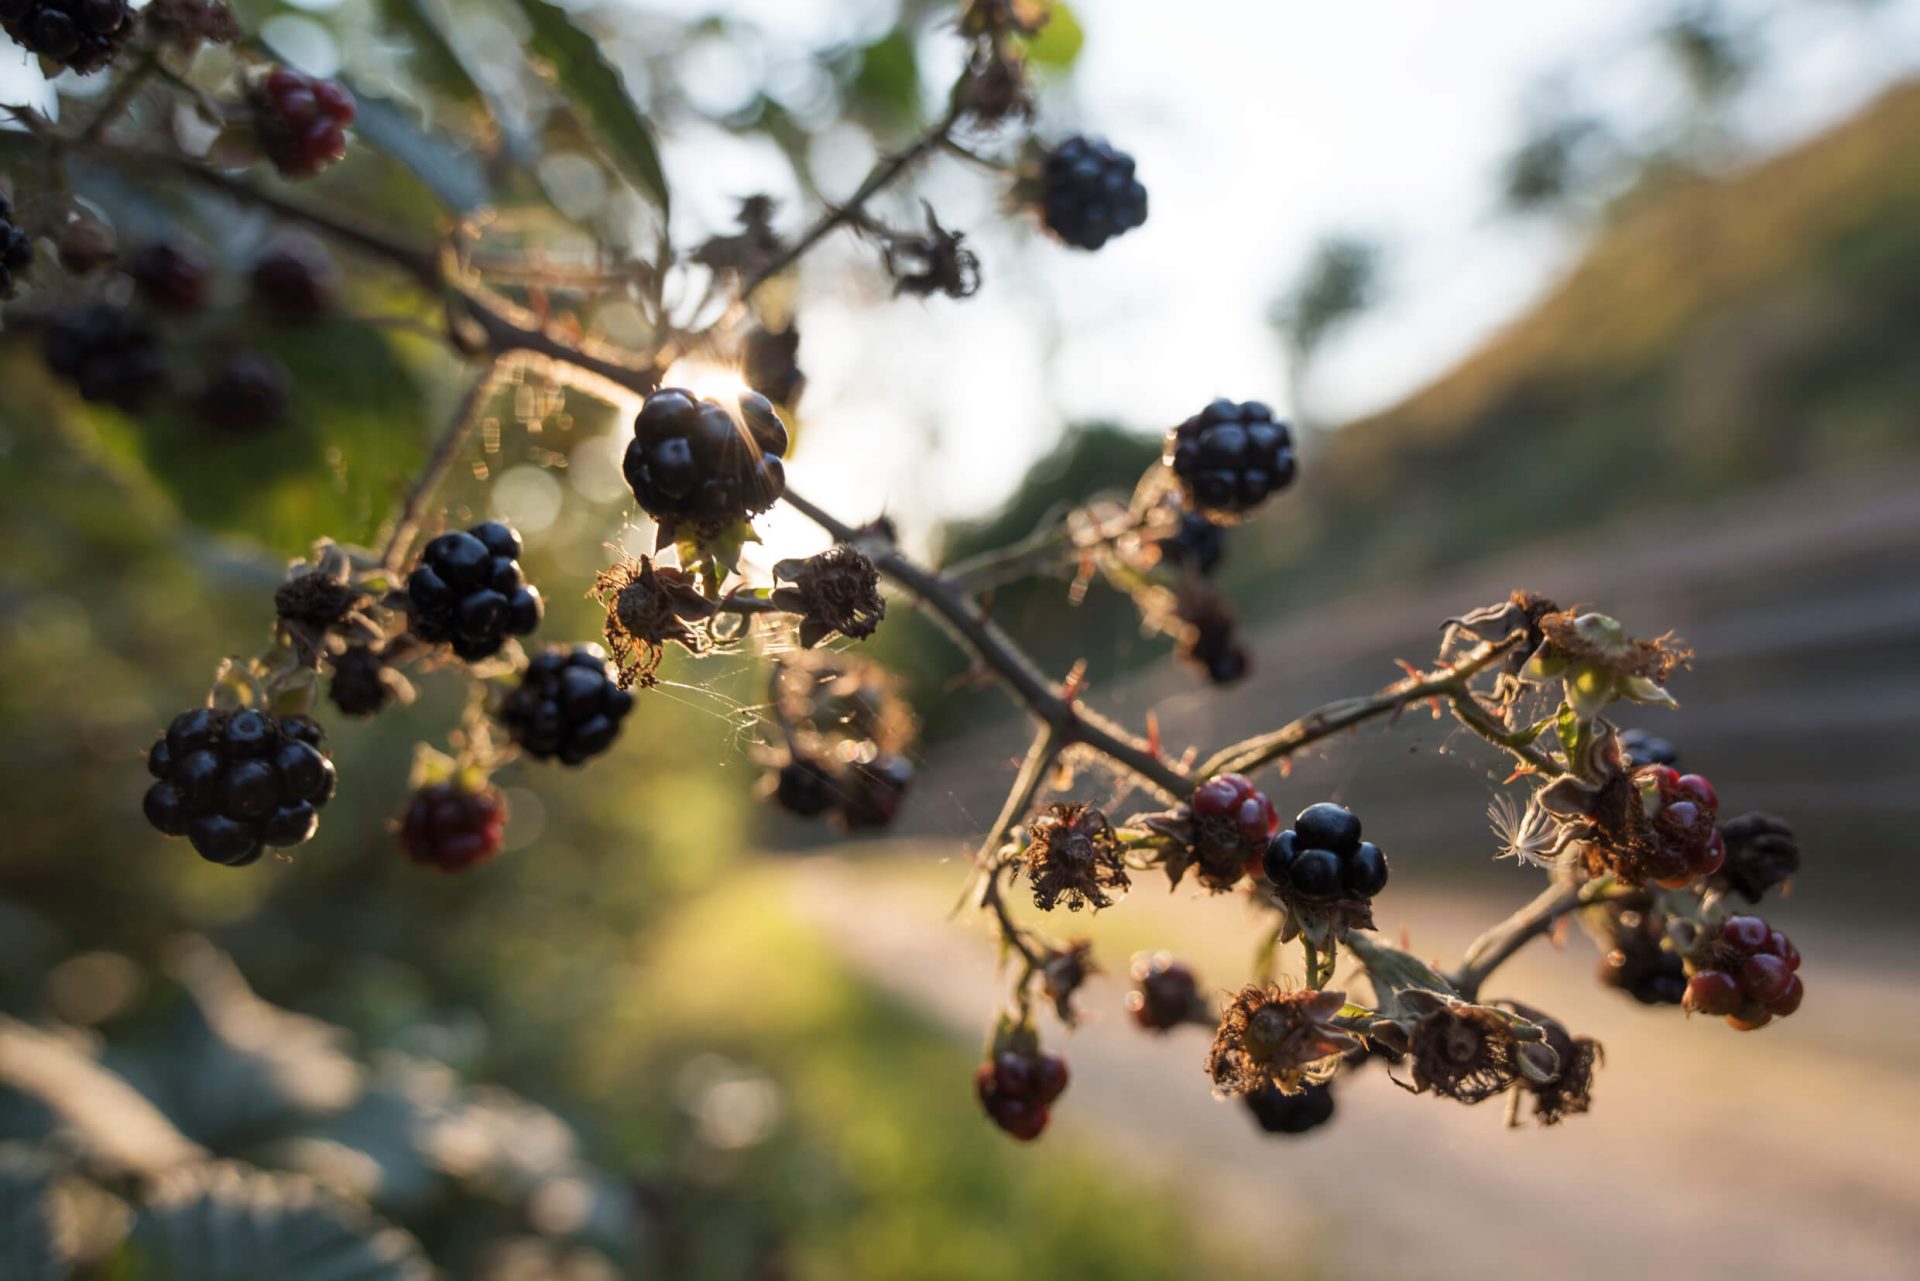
[1494, 948]
[447, 447]
[123, 92]
[1467, 710]
[1047, 744]
[1250, 754]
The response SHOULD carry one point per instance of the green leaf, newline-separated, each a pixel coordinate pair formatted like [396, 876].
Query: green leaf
[452, 171]
[437, 61]
[229, 1222]
[595, 89]
[887, 83]
[1058, 43]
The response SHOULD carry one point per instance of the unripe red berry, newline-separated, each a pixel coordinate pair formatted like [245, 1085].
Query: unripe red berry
[1746, 933]
[452, 827]
[1782, 946]
[1765, 977]
[1789, 1001]
[1713, 992]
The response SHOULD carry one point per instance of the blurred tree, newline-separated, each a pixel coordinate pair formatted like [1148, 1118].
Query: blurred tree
[1341, 280]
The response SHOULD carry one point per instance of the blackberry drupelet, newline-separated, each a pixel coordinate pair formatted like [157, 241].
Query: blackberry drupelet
[468, 592]
[567, 707]
[237, 782]
[1229, 458]
[1089, 193]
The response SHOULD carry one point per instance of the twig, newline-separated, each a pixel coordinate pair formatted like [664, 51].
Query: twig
[452, 438]
[1494, 948]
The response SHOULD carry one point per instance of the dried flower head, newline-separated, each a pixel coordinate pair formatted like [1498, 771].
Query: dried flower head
[1570, 1090]
[935, 261]
[320, 599]
[995, 86]
[1761, 855]
[647, 606]
[753, 249]
[836, 591]
[1470, 1052]
[1284, 1039]
[1521, 612]
[771, 364]
[1066, 970]
[1597, 662]
[185, 25]
[1073, 853]
[317, 601]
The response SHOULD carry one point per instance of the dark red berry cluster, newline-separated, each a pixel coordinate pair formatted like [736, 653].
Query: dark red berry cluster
[695, 460]
[81, 35]
[567, 707]
[1682, 809]
[1229, 458]
[1321, 857]
[1747, 971]
[1232, 823]
[1165, 994]
[16, 251]
[453, 827]
[1090, 193]
[301, 121]
[172, 275]
[296, 279]
[237, 782]
[1017, 1089]
[1278, 1112]
[1642, 748]
[468, 592]
[110, 354]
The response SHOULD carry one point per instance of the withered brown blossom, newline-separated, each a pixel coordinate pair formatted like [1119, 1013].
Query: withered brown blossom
[1065, 971]
[647, 606]
[1073, 854]
[185, 25]
[1468, 1052]
[1284, 1039]
[1569, 1092]
[752, 249]
[317, 600]
[935, 261]
[1590, 638]
[836, 591]
[771, 364]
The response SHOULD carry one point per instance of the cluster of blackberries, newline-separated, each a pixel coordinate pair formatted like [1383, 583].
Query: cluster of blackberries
[1278, 1112]
[864, 794]
[1642, 748]
[1322, 858]
[567, 706]
[1165, 994]
[1682, 809]
[1089, 193]
[237, 782]
[1232, 823]
[112, 355]
[468, 592]
[453, 827]
[173, 275]
[1747, 971]
[694, 460]
[1649, 973]
[81, 35]
[1016, 1090]
[1230, 457]
[16, 251]
[301, 121]
[1196, 542]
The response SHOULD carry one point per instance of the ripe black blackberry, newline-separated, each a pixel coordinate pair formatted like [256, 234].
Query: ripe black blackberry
[237, 782]
[1089, 193]
[694, 460]
[1196, 542]
[16, 251]
[1280, 1113]
[567, 707]
[1643, 748]
[247, 391]
[301, 120]
[296, 279]
[1229, 458]
[1321, 858]
[805, 787]
[110, 354]
[171, 274]
[1650, 974]
[80, 35]
[361, 685]
[468, 592]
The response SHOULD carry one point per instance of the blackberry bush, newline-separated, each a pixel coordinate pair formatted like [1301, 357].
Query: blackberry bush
[567, 707]
[696, 461]
[468, 592]
[1089, 193]
[1230, 458]
[236, 783]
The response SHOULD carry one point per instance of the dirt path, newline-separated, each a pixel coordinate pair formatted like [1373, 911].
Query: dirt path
[1789, 1153]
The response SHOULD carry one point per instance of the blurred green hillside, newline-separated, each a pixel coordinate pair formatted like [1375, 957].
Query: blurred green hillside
[1720, 335]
